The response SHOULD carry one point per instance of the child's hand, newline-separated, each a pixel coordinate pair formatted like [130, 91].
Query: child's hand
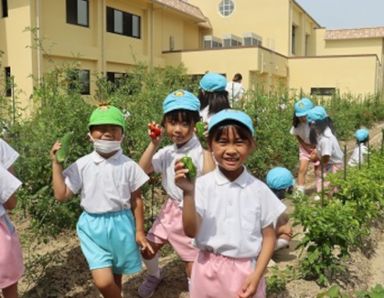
[249, 286]
[143, 243]
[181, 178]
[313, 155]
[53, 151]
[155, 132]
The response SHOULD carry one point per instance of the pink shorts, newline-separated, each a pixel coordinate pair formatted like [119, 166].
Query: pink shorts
[331, 168]
[305, 155]
[11, 258]
[222, 277]
[168, 227]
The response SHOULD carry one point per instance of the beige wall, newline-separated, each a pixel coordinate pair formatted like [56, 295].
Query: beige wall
[353, 74]
[266, 18]
[348, 46]
[258, 61]
[16, 44]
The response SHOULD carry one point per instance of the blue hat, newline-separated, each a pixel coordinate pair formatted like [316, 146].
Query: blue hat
[212, 82]
[303, 106]
[229, 114]
[361, 134]
[181, 100]
[316, 113]
[280, 178]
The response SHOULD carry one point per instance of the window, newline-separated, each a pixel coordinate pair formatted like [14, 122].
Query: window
[79, 80]
[4, 8]
[8, 81]
[77, 12]
[129, 82]
[325, 91]
[123, 23]
[293, 49]
[226, 7]
[307, 44]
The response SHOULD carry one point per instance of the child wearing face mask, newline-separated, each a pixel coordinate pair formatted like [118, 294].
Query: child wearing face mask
[111, 227]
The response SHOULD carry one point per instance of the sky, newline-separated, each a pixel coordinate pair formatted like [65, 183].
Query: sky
[338, 14]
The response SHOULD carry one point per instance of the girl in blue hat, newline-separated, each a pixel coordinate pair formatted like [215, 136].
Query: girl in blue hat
[213, 95]
[361, 149]
[180, 114]
[328, 150]
[281, 182]
[300, 129]
[230, 213]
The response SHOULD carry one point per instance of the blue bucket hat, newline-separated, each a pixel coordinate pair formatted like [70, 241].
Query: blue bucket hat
[303, 106]
[212, 82]
[361, 134]
[181, 100]
[280, 178]
[316, 113]
[235, 115]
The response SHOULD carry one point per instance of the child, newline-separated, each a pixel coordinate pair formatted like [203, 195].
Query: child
[280, 181]
[109, 186]
[230, 213]
[181, 112]
[321, 135]
[235, 88]
[300, 129]
[11, 259]
[357, 157]
[213, 96]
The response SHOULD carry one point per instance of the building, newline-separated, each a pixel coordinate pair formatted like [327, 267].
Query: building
[271, 42]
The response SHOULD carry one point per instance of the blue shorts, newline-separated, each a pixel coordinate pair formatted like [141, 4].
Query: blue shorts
[108, 240]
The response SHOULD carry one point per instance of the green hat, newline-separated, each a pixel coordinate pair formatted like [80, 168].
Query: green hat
[107, 115]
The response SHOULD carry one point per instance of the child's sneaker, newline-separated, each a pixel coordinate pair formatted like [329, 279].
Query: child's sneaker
[149, 285]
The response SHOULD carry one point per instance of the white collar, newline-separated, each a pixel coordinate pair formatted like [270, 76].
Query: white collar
[241, 181]
[193, 142]
[97, 158]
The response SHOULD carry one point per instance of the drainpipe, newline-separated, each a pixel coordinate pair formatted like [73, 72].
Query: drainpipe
[150, 39]
[38, 48]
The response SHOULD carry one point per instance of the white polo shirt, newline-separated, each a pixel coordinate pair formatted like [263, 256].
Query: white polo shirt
[302, 130]
[327, 145]
[105, 184]
[7, 154]
[8, 186]
[234, 213]
[163, 162]
[354, 159]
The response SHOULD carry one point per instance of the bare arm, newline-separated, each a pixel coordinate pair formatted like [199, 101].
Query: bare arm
[138, 213]
[191, 219]
[145, 161]
[11, 202]
[60, 189]
[209, 163]
[268, 245]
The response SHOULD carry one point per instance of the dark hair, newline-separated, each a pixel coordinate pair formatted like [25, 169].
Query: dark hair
[295, 120]
[216, 101]
[219, 129]
[363, 141]
[189, 117]
[237, 77]
[280, 193]
[318, 128]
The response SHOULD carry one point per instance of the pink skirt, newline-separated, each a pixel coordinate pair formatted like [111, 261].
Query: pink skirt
[168, 228]
[305, 155]
[11, 258]
[217, 276]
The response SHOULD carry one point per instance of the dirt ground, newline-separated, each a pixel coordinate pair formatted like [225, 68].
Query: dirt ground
[56, 267]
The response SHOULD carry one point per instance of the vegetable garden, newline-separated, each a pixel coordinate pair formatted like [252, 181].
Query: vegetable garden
[330, 230]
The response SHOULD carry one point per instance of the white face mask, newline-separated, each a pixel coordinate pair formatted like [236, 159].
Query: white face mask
[105, 146]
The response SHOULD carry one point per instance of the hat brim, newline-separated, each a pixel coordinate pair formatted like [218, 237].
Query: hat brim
[302, 114]
[179, 108]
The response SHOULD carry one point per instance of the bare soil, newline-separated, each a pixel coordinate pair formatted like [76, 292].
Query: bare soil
[56, 267]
